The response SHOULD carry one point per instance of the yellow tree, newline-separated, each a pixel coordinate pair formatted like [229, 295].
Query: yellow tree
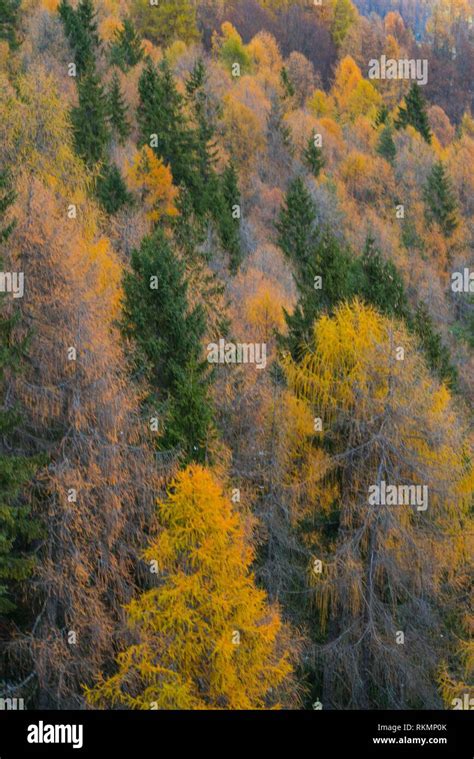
[346, 79]
[264, 311]
[154, 181]
[403, 470]
[208, 639]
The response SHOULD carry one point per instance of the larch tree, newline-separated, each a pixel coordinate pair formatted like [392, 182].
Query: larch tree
[154, 182]
[344, 16]
[17, 527]
[95, 492]
[207, 636]
[381, 596]
[166, 21]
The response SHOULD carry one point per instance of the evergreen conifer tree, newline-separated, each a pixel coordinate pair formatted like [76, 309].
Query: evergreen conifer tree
[382, 115]
[111, 190]
[89, 123]
[117, 110]
[296, 226]
[436, 354]
[204, 137]
[286, 82]
[126, 48]
[81, 30]
[440, 201]
[326, 279]
[228, 216]
[168, 337]
[414, 113]
[313, 157]
[382, 286]
[8, 21]
[386, 146]
[164, 126]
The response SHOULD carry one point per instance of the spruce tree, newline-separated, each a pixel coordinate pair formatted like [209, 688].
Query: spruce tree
[227, 216]
[204, 136]
[86, 16]
[9, 20]
[189, 231]
[117, 110]
[168, 338]
[296, 226]
[17, 528]
[326, 279]
[440, 201]
[111, 190]
[313, 157]
[80, 27]
[287, 84]
[126, 48]
[382, 286]
[382, 115]
[280, 148]
[89, 119]
[164, 126]
[414, 113]
[436, 354]
[386, 146]
[322, 267]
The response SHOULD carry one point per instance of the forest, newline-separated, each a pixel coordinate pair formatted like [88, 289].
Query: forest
[236, 354]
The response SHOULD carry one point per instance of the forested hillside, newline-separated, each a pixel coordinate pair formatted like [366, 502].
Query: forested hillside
[237, 353]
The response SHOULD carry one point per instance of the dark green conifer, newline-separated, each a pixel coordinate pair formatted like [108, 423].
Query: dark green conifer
[414, 113]
[9, 11]
[440, 201]
[168, 336]
[89, 119]
[117, 110]
[111, 190]
[126, 49]
[313, 157]
[386, 146]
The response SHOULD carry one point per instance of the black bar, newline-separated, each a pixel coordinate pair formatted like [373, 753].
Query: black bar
[310, 733]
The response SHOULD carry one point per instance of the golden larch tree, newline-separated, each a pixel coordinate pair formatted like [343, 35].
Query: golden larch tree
[384, 595]
[207, 637]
